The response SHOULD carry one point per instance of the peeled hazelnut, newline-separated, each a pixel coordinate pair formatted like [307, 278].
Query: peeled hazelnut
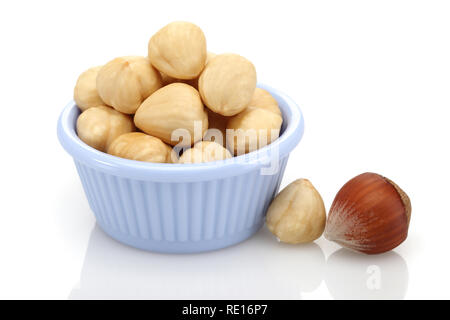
[205, 151]
[192, 82]
[227, 84]
[255, 127]
[252, 129]
[99, 126]
[263, 99]
[297, 214]
[178, 50]
[85, 93]
[173, 107]
[125, 82]
[141, 147]
[370, 214]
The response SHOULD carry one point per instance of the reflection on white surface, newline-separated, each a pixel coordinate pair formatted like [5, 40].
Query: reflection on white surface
[351, 275]
[259, 268]
[249, 270]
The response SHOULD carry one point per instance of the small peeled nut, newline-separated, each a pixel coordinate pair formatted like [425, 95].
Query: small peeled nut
[178, 50]
[192, 82]
[99, 126]
[255, 127]
[125, 82]
[85, 93]
[370, 214]
[264, 100]
[175, 114]
[141, 147]
[297, 214]
[227, 84]
[252, 129]
[205, 151]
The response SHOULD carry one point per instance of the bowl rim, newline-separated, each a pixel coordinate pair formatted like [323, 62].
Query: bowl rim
[170, 172]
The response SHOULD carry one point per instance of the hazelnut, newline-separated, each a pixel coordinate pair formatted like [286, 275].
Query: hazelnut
[264, 100]
[173, 107]
[252, 129]
[227, 84]
[178, 50]
[255, 127]
[85, 93]
[99, 126]
[205, 151]
[297, 214]
[141, 147]
[125, 82]
[370, 214]
[192, 82]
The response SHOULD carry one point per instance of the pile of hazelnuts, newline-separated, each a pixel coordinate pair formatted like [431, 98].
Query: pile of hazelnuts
[180, 97]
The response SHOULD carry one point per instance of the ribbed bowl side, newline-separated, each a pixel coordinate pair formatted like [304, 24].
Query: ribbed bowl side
[180, 217]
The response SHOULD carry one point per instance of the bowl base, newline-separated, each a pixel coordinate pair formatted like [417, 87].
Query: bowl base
[181, 247]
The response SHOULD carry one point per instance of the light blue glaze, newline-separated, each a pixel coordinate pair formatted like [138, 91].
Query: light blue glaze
[182, 208]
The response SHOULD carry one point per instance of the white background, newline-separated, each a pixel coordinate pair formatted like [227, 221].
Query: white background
[373, 81]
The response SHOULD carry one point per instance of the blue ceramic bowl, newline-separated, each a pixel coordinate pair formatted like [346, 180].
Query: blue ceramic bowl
[182, 208]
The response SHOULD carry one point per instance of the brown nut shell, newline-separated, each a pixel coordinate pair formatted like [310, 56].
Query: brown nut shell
[370, 214]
